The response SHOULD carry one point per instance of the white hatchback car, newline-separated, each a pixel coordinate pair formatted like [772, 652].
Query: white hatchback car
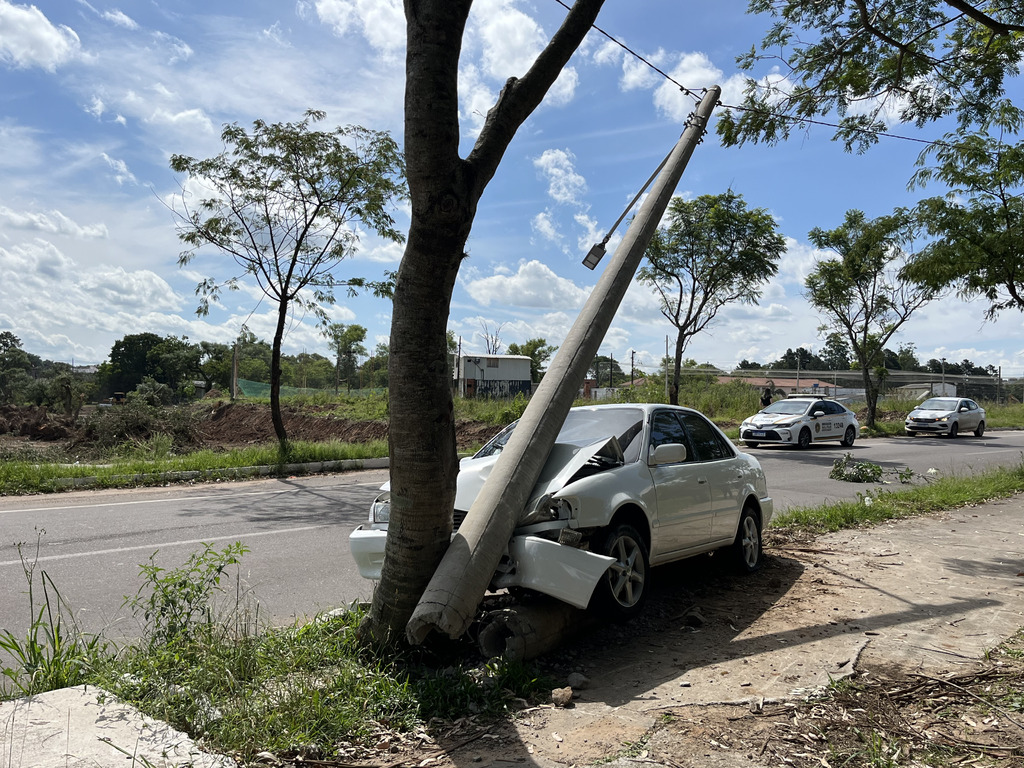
[801, 420]
[626, 487]
[946, 416]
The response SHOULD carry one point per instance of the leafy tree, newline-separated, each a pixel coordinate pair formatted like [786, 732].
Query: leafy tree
[799, 359]
[918, 60]
[254, 356]
[835, 354]
[128, 363]
[283, 203]
[715, 251]
[978, 225]
[15, 367]
[606, 371]
[906, 358]
[539, 352]
[215, 364]
[746, 365]
[373, 373]
[69, 390]
[860, 292]
[445, 190]
[175, 363]
[347, 344]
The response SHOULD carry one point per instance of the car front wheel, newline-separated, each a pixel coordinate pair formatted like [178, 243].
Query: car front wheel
[747, 548]
[980, 430]
[849, 437]
[750, 444]
[953, 429]
[623, 588]
[804, 439]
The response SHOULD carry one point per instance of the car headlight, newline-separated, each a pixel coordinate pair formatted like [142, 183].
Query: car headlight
[547, 509]
[380, 510]
[943, 418]
[786, 424]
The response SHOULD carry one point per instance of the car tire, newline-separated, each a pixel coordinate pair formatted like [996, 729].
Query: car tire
[747, 549]
[750, 444]
[953, 429]
[849, 437]
[912, 434]
[980, 430]
[804, 439]
[622, 590]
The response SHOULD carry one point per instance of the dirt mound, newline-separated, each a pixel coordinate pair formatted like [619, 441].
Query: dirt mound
[33, 422]
[233, 424]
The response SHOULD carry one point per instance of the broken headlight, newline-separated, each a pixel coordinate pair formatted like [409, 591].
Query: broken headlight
[380, 510]
[547, 509]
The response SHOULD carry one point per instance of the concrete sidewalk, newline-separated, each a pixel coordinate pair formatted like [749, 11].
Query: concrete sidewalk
[922, 594]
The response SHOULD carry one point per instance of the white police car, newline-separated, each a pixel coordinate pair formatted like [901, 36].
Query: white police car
[801, 420]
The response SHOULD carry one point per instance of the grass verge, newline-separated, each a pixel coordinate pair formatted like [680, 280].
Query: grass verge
[23, 477]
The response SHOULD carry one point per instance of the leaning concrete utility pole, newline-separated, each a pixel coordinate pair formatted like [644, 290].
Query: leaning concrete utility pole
[454, 592]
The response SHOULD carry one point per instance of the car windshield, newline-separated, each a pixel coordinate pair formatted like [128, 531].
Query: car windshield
[586, 425]
[938, 404]
[787, 407]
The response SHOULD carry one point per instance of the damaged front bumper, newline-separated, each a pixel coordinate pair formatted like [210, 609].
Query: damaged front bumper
[563, 572]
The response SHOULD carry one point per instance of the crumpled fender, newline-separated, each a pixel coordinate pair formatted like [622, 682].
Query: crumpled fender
[564, 572]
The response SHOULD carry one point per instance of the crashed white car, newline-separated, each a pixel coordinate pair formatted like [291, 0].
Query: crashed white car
[626, 487]
[801, 420]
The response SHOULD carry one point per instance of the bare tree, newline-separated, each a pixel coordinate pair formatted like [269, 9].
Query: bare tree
[492, 339]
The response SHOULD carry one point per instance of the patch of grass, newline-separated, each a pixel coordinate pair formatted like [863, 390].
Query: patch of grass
[21, 477]
[882, 505]
[54, 653]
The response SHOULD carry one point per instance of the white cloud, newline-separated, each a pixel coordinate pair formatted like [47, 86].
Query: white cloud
[53, 222]
[533, 285]
[381, 22]
[29, 39]
[543, 224]
[120, 19]
[509, 39]
[565, 185]
[121, 173]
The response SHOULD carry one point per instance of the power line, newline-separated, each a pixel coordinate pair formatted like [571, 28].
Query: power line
[697, 94]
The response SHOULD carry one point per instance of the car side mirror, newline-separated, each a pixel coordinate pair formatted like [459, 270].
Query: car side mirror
[667, 453]
[816, 414]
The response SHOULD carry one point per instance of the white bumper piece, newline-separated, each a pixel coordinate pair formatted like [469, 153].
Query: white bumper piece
[564, 572]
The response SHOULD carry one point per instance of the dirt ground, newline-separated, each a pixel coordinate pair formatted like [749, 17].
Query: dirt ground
[881, 647]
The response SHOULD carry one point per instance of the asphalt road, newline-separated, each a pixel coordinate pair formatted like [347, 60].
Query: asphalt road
[91, 543]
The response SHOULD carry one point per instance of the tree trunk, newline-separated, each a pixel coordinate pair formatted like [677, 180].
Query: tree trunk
[275, 380]
[444, 190]
[677, 364]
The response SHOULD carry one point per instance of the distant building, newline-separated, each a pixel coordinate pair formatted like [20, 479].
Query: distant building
[495, 376]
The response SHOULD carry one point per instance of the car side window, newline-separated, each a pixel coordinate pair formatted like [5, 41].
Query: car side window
[665, 428]
[707, 442]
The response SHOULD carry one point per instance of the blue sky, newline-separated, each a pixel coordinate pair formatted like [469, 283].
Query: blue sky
[95, 98]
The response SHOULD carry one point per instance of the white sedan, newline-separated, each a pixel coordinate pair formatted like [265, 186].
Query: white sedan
[626, 487]
[946, 416]
[801, 420]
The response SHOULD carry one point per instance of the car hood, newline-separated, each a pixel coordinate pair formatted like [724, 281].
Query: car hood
[564, 462]
[767, 419]
[921, 413]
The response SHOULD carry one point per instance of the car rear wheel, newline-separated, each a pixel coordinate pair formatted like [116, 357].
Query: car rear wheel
[622, 590]
[747, 548]
[849, 437]
[804, 439]
[953, 429]
[980, 430]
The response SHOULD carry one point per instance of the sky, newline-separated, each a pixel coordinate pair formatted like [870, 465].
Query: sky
[96, 97]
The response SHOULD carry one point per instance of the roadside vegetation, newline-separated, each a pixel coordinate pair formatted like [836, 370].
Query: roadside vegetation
[142, 443]
[207, 664]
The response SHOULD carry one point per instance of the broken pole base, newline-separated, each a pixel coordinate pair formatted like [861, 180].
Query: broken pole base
[524, 632]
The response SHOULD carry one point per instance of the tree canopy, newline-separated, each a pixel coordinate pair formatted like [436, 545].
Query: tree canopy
[860, 292]
[713, 252]
[539, 352]
[873, 63]
[283, 202]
